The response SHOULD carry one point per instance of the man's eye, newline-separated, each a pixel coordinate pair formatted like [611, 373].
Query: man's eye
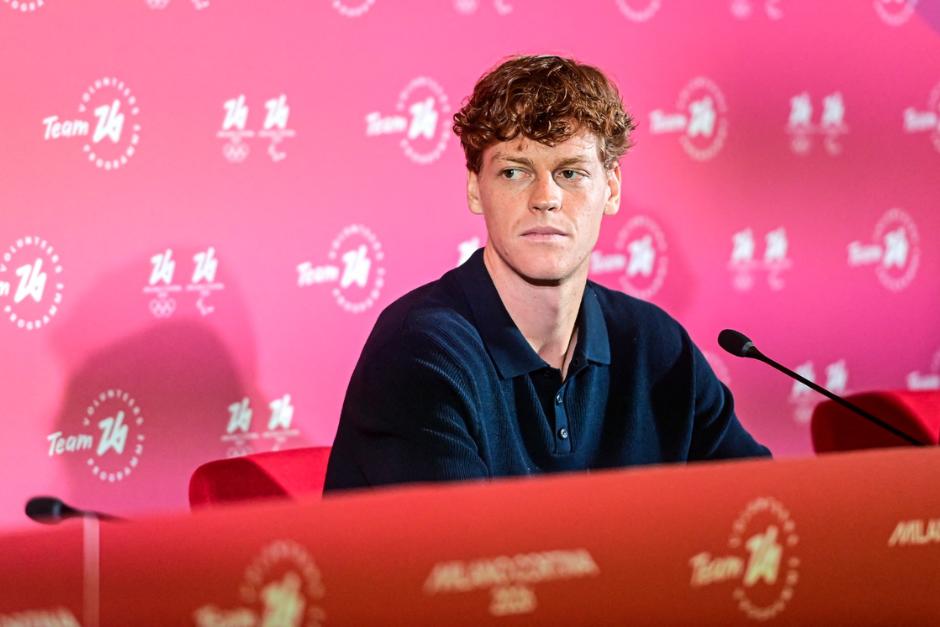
[570, 175]
[510, 173]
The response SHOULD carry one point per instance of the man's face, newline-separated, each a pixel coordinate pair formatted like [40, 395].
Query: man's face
[543, 205]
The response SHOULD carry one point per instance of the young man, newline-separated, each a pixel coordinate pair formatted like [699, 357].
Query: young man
[515, 363]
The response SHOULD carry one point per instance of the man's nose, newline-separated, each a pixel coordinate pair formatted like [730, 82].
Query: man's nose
[546, 194]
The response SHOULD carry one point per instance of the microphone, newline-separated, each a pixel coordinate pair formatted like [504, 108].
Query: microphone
[740, 345]
[51, 510]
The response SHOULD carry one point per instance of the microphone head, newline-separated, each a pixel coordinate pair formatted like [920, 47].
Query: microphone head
[737, 343]
[48, 509]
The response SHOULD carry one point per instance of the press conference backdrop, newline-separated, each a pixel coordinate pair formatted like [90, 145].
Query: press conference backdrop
[205, 206]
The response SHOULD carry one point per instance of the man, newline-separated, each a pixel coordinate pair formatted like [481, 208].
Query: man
[514, 363]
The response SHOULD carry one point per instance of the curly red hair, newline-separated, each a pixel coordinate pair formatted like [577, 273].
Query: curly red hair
[547, 99]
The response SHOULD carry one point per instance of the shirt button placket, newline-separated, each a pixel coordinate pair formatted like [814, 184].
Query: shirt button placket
[562, 439]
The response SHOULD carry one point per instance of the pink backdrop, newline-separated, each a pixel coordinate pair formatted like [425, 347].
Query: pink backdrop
[204, 206]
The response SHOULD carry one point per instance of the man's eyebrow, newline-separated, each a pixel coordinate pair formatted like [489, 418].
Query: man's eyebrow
[510, 158]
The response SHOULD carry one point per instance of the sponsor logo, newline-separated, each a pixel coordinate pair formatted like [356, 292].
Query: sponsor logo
[894, 250]
[804, 399]
[107, 124]
[202, 282]
[239, 438]
[359, 281]
[895, 12]
[274, 129]
[760, 562]
[744, 266]
[120, 438]
[199, 5]
[642, 259]
[639, 10]
[25, 6]
[282, 586]
[915, 532]
[466, 248]
[351, 8]
[421, 119]
[743, 9]
[929, 381]
[928, 121]
[719, 366]
[831, 126]
[55, 617]
[469, 7]
[30, 283]
[510, 578]
[701, 119]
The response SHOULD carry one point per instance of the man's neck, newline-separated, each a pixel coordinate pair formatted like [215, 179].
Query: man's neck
[545, 314]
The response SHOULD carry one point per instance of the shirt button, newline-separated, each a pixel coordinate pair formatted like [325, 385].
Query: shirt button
[558, 399]
[563, 433]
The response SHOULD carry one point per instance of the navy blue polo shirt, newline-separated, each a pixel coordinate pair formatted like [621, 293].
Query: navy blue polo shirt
[447, 388]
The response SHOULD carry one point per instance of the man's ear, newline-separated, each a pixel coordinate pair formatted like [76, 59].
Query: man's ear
[612, 204]
[473, 193]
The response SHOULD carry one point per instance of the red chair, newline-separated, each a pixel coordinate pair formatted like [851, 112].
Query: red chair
[835, 428]
[281, 474]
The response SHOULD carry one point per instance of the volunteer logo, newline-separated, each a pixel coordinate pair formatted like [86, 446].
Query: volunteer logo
[642, 260]
[895, 250]
[831, 127]
[239, 437]
[805, 399]
[639, 10]
[421, 118]
[760, 563]
[30, 283]
[115, 418]
[701, 119]
[895, 12]
[235, 128]
[282, 586]
[929, 381]
[350, 8]
[744, 265]
[359, 281]
[25, 6]
[743, 9]
[510, 578]
[719, 366]
[107, 113]
[199, 5]
[202, 283]
[469, 7]
[918, 532]
[928, 121]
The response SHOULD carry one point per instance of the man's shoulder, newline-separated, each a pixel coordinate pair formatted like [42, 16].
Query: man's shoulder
[435, 315]
[626, 313]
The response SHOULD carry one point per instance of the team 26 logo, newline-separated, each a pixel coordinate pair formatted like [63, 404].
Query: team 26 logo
[106, 125]
[355, 269]
[895, 12]
[925, 121]
[894, 251]
[30, 283]
[421, 119]
[700, 119]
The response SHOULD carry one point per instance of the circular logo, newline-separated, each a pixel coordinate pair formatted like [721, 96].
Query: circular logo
[25, 6]
[638, 11]
[895, 12]
[768, 533]
[428, 109]
[285, 579]
[707, 126]
[352, 9]
[119, 421]
[644, 245]
[897, 234]
[31, 277]
[116, 131]
[362, 273]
